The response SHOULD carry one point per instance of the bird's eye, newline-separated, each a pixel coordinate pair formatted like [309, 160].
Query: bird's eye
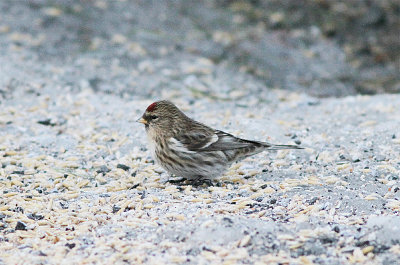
[153, 117]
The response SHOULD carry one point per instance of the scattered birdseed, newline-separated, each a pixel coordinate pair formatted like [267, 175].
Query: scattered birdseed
[88, 189]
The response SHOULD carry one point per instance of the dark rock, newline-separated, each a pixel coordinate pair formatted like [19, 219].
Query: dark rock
[312, 201]
[327, 240]
[47, 122]
[380, 249]
[272, 201]
[115, 209]
[70, 245]
[134, 186]
[103, 169]
[259, 199]
[20, 226]
[124, 167]
[362, 243]
[34, 216]
[336, 229]
[94, 83]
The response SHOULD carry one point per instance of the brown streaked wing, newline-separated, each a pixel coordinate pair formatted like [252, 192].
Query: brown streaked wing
[208, 141]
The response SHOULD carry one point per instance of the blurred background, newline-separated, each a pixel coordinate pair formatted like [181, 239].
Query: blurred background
[218, 49]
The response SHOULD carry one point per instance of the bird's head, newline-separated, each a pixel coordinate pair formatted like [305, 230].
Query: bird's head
[161, 115]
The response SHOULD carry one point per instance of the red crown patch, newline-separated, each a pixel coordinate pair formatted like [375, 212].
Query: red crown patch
[151, 107]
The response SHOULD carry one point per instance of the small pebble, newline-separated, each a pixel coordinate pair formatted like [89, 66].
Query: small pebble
[103, 169]
[123, 167]
[20, 226]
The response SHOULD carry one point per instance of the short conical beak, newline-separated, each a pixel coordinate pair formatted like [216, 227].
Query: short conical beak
[141, 120]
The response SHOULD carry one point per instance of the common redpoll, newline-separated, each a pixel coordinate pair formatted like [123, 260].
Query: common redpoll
[192, 150]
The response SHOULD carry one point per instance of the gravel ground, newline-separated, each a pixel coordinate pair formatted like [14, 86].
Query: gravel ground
[77, 183]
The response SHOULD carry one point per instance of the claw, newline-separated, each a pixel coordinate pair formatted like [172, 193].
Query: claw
[200, 182]
[176, 181]
[197, 182]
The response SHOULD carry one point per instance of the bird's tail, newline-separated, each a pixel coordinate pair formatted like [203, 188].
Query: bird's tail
[280, 146]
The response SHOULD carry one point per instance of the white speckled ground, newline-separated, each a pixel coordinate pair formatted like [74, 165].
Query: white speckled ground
[77, 184]
[82, 189]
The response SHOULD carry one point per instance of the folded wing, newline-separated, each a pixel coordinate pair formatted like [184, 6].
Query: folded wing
[212, 140]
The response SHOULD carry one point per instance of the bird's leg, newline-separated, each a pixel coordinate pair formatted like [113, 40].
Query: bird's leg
[197, 181]
[200, 180]
[176, 181]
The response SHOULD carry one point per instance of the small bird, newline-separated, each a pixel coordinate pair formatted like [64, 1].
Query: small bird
[192, 150]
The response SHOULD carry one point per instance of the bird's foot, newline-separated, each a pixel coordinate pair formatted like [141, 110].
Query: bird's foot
[177, 181]
[200, 182]
[196, 182]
